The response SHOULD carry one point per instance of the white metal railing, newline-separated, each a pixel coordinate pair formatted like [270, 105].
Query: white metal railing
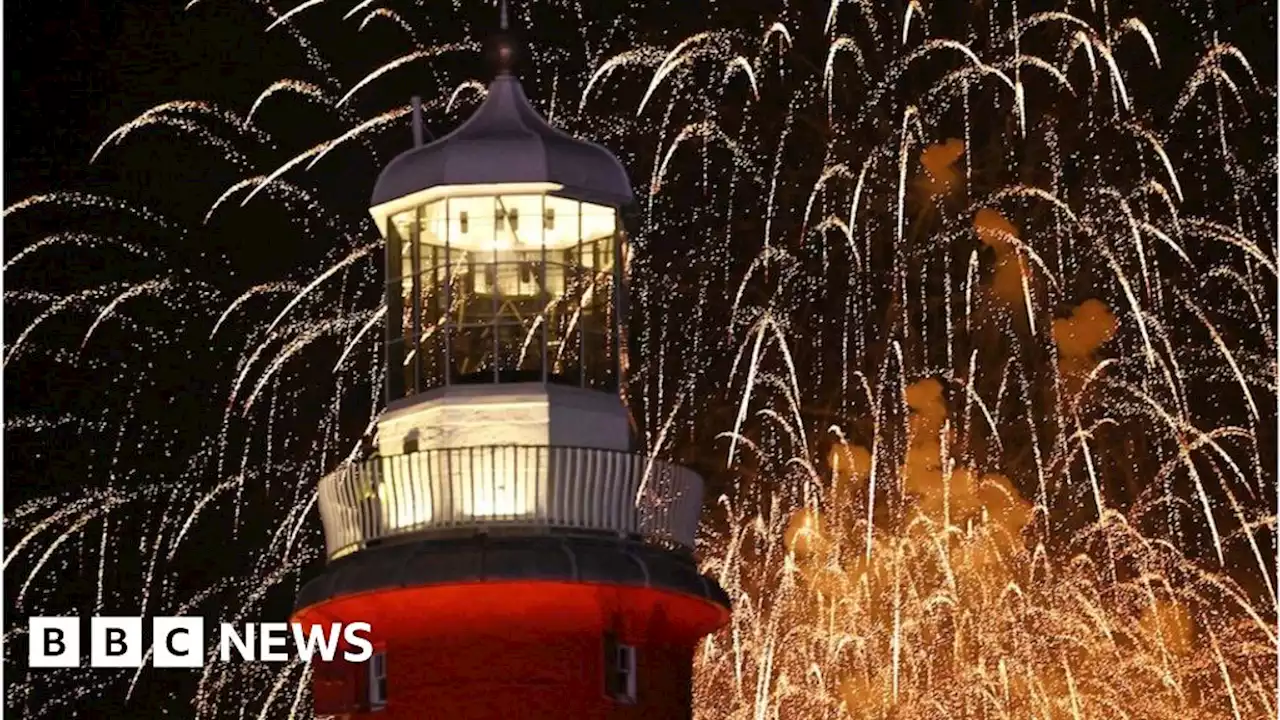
[508, 485]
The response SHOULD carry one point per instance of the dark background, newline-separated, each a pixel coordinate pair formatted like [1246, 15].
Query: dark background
[75, 71]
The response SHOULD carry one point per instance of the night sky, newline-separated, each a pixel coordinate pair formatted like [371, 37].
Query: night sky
[76, 71]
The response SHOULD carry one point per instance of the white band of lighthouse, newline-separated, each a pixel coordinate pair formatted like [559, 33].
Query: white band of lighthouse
[509, 487]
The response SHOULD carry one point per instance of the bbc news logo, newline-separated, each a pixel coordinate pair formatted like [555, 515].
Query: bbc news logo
[179, 642]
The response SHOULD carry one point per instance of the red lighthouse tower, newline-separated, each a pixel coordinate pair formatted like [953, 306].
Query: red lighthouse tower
[513, 555]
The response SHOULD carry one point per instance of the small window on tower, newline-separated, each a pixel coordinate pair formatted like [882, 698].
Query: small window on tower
[620, 669]
[378, 681]
[462, 221]
[549, 219]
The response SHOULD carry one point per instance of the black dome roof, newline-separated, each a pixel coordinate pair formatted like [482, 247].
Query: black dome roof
[507, 141]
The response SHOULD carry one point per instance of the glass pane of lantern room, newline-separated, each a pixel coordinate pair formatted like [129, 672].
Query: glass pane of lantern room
[560, 219]
[398, 274]
[518, 293]
[560, 215]
[464, 237]
[529, 290]
[433, 272]
[596, 258]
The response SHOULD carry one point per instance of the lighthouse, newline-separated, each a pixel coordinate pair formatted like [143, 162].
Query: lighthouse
[513, 553]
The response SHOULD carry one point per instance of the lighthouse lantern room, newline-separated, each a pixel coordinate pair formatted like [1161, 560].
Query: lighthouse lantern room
[513, 555]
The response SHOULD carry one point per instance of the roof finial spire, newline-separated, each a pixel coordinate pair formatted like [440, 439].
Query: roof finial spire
[417, 121]
[503, 50]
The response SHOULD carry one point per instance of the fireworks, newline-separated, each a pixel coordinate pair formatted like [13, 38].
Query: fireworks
[969, 318]
[949, 611]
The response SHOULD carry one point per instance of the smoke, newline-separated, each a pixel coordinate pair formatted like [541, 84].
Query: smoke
[904, 611]
[1170, 623]
[939, 161]
[1079, 337]
[939, 488]
[940, 491]
[947, 493]
[994, 230]
[1089, 326]
[997, 233]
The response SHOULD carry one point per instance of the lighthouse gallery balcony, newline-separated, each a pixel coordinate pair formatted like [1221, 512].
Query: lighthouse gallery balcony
[509, 488]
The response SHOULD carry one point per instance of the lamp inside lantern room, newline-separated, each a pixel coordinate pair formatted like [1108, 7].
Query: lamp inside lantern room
[505, 284]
